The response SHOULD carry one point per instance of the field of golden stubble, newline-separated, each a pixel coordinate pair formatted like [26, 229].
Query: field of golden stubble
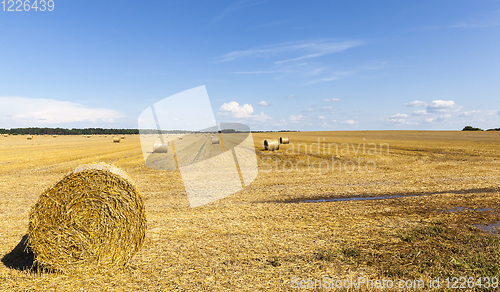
[442, 186]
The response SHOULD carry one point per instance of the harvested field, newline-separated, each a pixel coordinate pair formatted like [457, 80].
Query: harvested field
[378, 204]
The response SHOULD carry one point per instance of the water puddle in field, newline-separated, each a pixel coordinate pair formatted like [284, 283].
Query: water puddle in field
[461, 209]
[355, 199]
[491, 228]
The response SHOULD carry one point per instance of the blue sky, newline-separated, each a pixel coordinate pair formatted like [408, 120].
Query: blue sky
[304, 65]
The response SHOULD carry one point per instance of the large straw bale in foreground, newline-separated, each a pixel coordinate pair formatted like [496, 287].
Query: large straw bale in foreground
[160, 148]
[93, 217]
[271, 144]
[284, 140]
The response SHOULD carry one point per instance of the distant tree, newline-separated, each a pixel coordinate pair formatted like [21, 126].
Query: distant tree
[470, 128]
[497, 129]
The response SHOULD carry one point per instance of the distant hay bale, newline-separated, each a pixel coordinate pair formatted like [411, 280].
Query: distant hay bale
[54, 136]
[116, 140]
[271, 144]
[6, 135]
[180, 138]
[29, 137]
[88, 136]
[215, 140]
[284, 140]
[160, 148]
[122, 137]
[93, 218]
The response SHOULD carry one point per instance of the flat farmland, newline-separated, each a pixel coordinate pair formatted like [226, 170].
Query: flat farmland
[377, 204]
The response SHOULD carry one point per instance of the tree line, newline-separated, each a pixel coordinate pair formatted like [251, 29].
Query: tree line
[101, 131]
[470, 128]
[62, 131]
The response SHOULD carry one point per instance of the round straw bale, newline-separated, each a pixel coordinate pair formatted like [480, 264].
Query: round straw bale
[54, 136]
[93, 218]
[215, 140]
[180, 138]
[88, 136]
[29, 137]
[6, 135]
[116, 139]
[122, 137]
[160, 148]
[271, 144]
[284, 140]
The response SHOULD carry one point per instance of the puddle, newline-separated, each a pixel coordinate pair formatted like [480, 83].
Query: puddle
[356, 199]
[461, 209]
[491, 228]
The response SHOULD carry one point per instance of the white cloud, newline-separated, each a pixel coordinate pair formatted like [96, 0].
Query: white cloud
[24, 111]
[416, 103]
[442, 106]
[281, 123]
[262, 118]
[327, 108]
[435, 105]
[233, 109]
[479, 113]
[438, 119]
[291, 96]
[399, 116]
[321, 117]
[350, 122]
[400, 119]
[420, 112]
[330, 99]
[263, 103]
[297, 118]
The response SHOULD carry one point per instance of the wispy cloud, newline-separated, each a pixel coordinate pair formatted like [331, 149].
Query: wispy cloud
[263, 103]
[237, 5]
[302, 60]
[330, 99]
[489, 20]
[24, 111]
[319, 49]
[334, 76]
[306, 50]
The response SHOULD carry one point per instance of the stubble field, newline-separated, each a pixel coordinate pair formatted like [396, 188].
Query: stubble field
[377, 204]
